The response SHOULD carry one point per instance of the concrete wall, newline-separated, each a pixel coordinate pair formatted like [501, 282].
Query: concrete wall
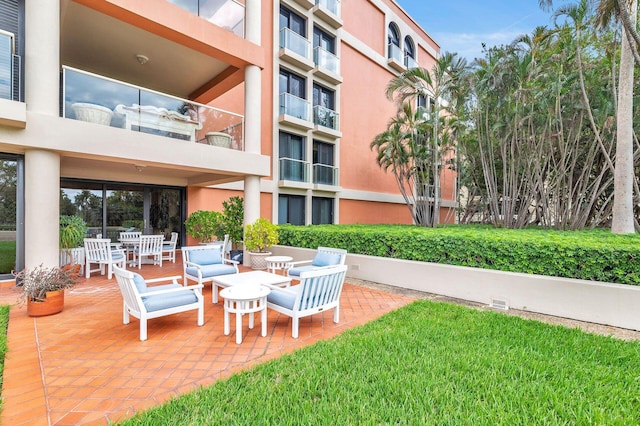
[602, 303]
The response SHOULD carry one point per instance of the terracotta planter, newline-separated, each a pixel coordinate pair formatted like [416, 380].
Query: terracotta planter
[53, 304]
[258, 260]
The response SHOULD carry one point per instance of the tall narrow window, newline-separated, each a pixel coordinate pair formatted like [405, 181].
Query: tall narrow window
[292, 157]
[293, 33]
[6, 65]
[293, 95]
[324, 50]
[409, 53]
[324, 107]
[294, 22]
[323, 170]
[393, 38]
[321, 210]
[291, 209]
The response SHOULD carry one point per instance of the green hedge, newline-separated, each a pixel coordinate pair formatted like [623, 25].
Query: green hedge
[595, 255]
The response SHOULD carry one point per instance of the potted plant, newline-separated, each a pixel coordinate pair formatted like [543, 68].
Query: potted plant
[73, 230]
[232, 218]
[258, 238]
[203, 225]
[43, 289]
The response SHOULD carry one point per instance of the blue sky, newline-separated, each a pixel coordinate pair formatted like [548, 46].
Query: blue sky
[462, 25]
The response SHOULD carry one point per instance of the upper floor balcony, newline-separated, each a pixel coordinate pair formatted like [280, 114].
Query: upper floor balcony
[295, 111]
[325, 174]
[228, 14]
[410, 62]
[295, 49]
[395, 57]
[13, 112]
[328, 11]
[100, 100]
[326, 121]
[327, 65]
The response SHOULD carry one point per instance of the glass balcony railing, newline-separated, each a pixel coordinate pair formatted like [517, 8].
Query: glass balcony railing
[295, 170]
[325, 117]
[10, 65]
[294, 106]
[394, 52]
[228, 14]
[325, 174]
[324, 58]
[295, 42]
[332, 6]
[409, 62]
[100, 100]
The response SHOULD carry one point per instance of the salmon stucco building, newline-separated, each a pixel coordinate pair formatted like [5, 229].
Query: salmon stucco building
[134, 114]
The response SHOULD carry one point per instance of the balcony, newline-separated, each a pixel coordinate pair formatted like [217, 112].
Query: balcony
[10, 69]
[328, 11]
[294, 173]
[327, 65]
[227, 14]
[410, 63]
[326, 122]
[295, 49]
[325, 175]
[103, 101]
[394, 57]
[295, 111]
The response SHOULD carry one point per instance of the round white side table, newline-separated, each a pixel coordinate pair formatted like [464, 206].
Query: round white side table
[275, 263]
[245, 299]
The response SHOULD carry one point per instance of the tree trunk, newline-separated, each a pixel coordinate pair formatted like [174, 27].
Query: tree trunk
[622, 221]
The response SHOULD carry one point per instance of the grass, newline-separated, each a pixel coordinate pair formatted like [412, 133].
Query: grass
[7, 256]
[4, 323]
[429, 363]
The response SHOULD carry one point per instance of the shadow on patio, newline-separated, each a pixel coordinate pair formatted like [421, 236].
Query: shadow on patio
[83, 366]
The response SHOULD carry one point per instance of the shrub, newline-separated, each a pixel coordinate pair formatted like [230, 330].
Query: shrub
[203, 225]
[260, 235]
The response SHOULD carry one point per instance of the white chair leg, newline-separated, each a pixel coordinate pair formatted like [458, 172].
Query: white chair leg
[87, 270]
[336, 314]
[125, 314]
[143, 329]
[201, 316]
[294, 327]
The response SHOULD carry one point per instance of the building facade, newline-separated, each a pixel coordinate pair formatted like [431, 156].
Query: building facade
[136, 113]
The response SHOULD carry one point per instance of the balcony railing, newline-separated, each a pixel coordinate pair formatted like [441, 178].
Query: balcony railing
[409, 62]
[101, 100]
[295, 170]
[325, 117]
[332, 6]
[324, 58]
[228, 14]
[394, 52]
[10, 68]
[295, 42]
[294, 106]
[325, 174]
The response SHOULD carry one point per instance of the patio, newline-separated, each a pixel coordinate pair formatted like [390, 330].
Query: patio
[83, 366]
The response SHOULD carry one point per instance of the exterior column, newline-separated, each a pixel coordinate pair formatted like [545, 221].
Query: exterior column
[42, 208]
[42, 57]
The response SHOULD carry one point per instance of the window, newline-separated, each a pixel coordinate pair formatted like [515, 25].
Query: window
[294, 22]
[324, 107]
[6, 66]
[293, 95]
[409, 53]
[291, 209]
[321, 210]
[393, 38]
[292, 157]
[323, 170]
[324, 40]
[422, 101]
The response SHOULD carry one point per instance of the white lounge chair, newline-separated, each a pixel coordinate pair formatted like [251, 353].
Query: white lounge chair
[319, 290]
[203, 263]
[169, 248]
[99, 250]
[145, 302]
[325, 257]
[149, 246]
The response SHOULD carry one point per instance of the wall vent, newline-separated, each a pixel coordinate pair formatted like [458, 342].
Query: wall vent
[499, 304]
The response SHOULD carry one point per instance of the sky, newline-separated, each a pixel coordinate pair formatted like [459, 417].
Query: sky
[463, 25]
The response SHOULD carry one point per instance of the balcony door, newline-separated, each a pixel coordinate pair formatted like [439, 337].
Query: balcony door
[110, 208]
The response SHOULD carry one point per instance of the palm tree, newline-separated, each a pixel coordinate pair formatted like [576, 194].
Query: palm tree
[626, 11]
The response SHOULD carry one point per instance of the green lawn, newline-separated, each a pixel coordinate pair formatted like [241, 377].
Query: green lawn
[7, 256]
[430, 363]
[4, 323]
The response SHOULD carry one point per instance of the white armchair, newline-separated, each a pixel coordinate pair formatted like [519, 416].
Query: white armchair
[100, 251]
[325, 257]
[149, 246]
[169, 248]
[204, 263]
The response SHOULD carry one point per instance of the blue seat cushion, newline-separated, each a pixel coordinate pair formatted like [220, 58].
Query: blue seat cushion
[295, 272]
[206, 256]
[326, 259]
[166, 301]
[116, 256]
[209, 271]
[139, 282]
[284, 298]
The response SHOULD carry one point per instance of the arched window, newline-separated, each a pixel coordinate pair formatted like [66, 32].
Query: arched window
[409, 53]
[393, 38]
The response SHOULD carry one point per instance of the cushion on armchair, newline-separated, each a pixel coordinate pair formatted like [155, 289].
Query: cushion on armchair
[295, 272]
[326, 259]
[165, 301]
[206, 257]
[284, 298]
[209, 271]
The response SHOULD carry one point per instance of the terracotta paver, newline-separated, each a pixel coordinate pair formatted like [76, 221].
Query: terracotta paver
[83, 366]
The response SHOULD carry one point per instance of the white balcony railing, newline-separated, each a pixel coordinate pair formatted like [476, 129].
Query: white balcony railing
[294, 170]
[325, 174]
[294, 106]
[394, 52]
[332, 6]
[409, 62]
[325, 117]
[324, 58]
[93, 98]
[228, 14]
[295, 42]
